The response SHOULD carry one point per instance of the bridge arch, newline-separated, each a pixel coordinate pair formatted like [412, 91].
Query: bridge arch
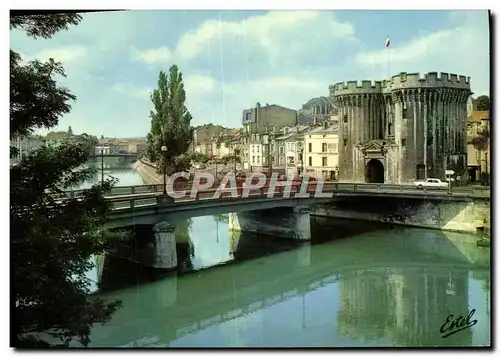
[374, 171]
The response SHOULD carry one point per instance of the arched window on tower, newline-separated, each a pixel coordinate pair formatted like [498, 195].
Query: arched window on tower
[390, 130]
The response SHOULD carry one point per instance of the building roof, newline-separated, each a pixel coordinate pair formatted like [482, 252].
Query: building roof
[478, 115]
[332, 129]
[294, 130]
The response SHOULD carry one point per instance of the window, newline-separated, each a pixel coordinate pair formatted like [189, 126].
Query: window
[310, 161]
[282, 149]
[403, 142]
[323, 147]
[258, 159]
[332, 147]
[345, 118]
[258, 148]
[345, 142]
[253, 159]
[310, 147]
[248, 116]
[282, 160]
[325, 161]
[405, 113]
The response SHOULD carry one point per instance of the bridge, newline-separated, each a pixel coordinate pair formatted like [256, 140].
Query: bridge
[288, 216]
[131, 155]
[141, 201]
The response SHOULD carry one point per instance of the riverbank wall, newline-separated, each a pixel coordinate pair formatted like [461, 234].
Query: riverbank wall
[468, 216]
[147, 172]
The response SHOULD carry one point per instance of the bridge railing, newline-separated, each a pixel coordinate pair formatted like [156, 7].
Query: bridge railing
[136, 200]
[140, 195]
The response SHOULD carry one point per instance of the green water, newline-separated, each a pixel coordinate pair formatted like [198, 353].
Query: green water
[355, 285]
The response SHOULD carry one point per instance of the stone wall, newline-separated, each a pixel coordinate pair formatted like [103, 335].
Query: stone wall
[459, 216]
[284, 222]
[148, 173]
[420, 119]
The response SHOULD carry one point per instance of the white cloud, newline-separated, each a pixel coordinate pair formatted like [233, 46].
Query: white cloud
[462, 49]
[152, 56]
[132, 90]
[63, 54]
[276, 32]
[199, 84]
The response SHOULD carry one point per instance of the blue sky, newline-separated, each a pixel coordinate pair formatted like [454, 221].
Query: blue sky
[232, 59]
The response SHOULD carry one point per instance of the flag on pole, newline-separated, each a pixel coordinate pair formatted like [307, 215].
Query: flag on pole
[387, 42]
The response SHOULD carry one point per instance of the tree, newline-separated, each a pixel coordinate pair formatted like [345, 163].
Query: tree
[170, 124]
[70, 131]
[483, 102]
[52, 240]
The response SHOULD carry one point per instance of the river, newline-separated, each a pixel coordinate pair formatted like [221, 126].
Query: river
[355, 285]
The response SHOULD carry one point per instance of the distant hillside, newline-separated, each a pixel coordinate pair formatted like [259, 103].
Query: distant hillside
[207, 131]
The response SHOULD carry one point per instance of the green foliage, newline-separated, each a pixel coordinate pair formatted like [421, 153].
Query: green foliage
[483, 102]
[481, 141]
[170, 124]
[51, 239]
[199, 157]
[35, 104]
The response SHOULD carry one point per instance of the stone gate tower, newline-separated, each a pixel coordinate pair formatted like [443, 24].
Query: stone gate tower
[408, 128]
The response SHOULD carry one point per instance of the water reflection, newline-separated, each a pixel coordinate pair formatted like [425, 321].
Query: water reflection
[125, 174]
[376, 288]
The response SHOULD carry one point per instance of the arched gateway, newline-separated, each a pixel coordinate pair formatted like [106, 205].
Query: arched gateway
[374, 171]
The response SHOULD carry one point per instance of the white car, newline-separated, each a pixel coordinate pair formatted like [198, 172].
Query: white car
[431, 183]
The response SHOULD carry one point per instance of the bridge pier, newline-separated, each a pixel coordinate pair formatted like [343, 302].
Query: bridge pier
[164, 249]
[284, 222]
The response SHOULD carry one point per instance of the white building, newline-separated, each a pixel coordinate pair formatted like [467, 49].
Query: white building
[321, 151]
[26, 145]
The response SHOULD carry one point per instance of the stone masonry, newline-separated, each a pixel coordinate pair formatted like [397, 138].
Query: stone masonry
[408, 128]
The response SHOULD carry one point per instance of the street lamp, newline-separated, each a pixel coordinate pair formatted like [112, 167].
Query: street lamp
[164, 151]
[102, 164]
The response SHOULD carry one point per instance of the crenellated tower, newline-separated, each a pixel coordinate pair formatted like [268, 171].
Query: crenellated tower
[408, 128]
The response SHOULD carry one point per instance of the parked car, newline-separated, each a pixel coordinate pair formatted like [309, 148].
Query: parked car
[431, 183]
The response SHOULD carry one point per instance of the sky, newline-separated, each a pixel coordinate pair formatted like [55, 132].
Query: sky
[230, 60]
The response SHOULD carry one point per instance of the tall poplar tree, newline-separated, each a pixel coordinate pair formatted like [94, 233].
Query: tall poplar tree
[51, 242]
[170, 124]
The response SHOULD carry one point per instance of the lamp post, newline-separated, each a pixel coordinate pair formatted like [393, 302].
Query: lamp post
[164, 153]
[269, 159]
[102, 165]
[301, 150]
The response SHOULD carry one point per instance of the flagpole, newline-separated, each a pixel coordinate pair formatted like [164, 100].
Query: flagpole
[388, 45]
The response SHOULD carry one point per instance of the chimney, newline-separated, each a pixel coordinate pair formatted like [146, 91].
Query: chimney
[325, 124]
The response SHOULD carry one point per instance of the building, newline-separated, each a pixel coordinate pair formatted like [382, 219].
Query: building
[316, 110]
[26, 145]
[257, 121]
[478, 121]
[321, 151]
[286, 149]
[262, 119]
[478, 146]
[408, 128]
[471, 106]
